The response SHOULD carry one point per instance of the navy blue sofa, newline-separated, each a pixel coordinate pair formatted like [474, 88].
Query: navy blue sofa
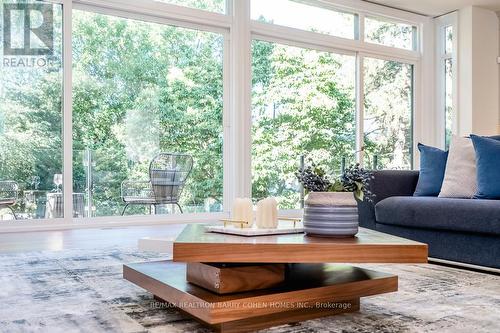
[461, 230]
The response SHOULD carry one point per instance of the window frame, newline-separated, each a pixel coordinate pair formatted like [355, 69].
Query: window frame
[238, 31]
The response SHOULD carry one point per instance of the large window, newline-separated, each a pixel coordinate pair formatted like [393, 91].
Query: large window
[303, 104]
[141, 89]
[388, 134]
[31, 111]
[94, 94]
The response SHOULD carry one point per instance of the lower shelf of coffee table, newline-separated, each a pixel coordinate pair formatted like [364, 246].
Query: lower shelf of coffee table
[309, 291]
[253, 324]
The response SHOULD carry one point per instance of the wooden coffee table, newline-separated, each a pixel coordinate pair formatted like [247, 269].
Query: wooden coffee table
[239, 284]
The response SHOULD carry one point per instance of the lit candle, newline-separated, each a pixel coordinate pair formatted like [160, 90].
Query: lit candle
[267, 214]
[243, 211]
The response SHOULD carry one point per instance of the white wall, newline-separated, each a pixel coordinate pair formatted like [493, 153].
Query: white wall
[478, 72]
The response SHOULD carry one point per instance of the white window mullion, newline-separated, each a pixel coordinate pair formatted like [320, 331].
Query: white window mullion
[415, 115]
[67, 113]
[156, 10]
[227, 140]
[361, 27]
[301, 44]
[241, 116]
[315, 40]
[455, 75]
[229, 8]
[360, 109]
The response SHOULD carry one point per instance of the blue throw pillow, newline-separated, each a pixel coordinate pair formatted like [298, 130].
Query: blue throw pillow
[432, 167]
[488, 170]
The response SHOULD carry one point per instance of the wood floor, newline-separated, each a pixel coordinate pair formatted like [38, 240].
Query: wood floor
[83, 238]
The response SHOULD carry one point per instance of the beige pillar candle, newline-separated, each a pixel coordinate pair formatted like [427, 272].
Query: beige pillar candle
[267, 214]
[243, 211]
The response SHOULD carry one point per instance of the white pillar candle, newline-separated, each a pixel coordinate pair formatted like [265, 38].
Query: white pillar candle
[267, 214]
[243, 211]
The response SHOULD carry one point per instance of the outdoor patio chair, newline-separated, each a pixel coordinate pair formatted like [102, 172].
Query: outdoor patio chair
[167, 175]
[8, 195]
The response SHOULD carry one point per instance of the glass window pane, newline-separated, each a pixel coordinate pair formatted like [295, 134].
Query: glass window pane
[448, 100]
[303, 103]
[217, 6]
[390, 34]
[448, 32]
[297, 15]
[141, 89]
[31, 112]
[388, 114]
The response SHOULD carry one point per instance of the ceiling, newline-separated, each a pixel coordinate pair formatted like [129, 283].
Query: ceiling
[438, 7]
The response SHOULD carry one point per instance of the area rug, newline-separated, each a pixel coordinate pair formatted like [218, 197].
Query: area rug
[83, 291]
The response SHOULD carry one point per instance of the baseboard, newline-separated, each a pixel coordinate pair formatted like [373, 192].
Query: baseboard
[456, 264]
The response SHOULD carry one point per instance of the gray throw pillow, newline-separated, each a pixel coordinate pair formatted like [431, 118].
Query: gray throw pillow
[460, 177]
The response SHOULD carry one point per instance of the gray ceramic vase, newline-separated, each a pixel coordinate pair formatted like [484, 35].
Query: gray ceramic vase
[331, 214]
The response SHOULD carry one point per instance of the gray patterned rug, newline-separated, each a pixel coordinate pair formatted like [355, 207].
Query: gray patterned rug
[83, 291]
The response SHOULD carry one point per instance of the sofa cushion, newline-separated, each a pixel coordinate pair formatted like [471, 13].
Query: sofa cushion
[432, 166]
[488, 172]
[460, 175]
[465, 215]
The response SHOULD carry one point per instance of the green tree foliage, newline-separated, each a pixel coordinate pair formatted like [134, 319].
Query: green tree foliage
[303, 104]
[388, 112]
[153, 88]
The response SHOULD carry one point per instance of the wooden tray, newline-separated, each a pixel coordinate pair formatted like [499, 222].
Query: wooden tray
[249, 232]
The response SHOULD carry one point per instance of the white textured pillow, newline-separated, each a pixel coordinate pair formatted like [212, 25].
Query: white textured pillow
[460, 176]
